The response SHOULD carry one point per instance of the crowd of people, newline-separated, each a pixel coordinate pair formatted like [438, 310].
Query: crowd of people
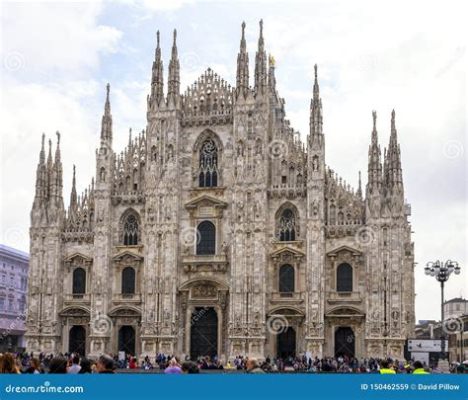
[170, 364]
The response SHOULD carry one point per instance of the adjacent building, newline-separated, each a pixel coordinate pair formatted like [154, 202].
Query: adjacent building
[13, 289]
[218, 231]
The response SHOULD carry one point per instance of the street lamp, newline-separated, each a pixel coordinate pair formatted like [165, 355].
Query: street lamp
[442, 271]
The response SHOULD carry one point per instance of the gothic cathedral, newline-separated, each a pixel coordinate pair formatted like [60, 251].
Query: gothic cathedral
[217, 231]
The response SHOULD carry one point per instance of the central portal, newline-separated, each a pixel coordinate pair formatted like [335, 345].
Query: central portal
[344, 342]
[203, 333]
[286, 345]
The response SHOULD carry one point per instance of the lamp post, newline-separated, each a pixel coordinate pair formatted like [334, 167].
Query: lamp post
[442, 271]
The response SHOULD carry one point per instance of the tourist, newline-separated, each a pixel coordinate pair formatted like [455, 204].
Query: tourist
[173, 368]
[75, 367]
[105, 365]
[189, 367]
[85, 365]
[419, 369]
[384, 368]
[8, 364]
[252, 367]
[34, 366]
[58, 365]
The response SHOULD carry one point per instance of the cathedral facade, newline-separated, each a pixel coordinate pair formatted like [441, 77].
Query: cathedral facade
[217, 231]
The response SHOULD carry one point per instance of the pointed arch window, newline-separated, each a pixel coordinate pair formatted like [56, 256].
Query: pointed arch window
[208, 166]
[130, 230]
[287, 226]
[344, 278]
[286, 279]
[128, 280]
[79, 281]
[206, 243]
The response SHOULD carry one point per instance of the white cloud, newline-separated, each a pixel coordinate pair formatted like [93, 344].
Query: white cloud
[56, 38]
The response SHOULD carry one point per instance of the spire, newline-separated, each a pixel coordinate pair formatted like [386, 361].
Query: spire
[106, 124]
[42, 153]
[316, 85]
[260, 64]
[242, 80]
[49, 156]
[73, 197]
[316, 115]
[392, 164]
[57, 150]
[41, 174]
[359, 190]
[374, 169]
[174, 72]
[58, 173]
[157, 79]
[271, 73]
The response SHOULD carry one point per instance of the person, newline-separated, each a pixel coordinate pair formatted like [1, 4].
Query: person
[34, 366]
[384, 368]
[419, 369]
[105, 365]
[173, 368]
[74, 368]
[8, 364]
[58, 365]
[252, 366]
[133, 363]
[189, 367]
[85, 365]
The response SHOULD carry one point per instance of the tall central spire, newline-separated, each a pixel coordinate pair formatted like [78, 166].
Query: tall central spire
[157, 79]
[242, 81]
[260, 64]
[106, 124]
[392, 162]
[316, 115]
[174, 72]
[374, 169]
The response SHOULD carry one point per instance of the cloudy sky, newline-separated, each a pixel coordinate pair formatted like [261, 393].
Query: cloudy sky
[58, 57]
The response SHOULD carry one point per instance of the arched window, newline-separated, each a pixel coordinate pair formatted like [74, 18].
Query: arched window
[208, 168]
[206, 243]
[332, 214]
[79, 281]
[128, 280]
[344, 278]
[130, 230]
[287, 226]
[286, 279]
